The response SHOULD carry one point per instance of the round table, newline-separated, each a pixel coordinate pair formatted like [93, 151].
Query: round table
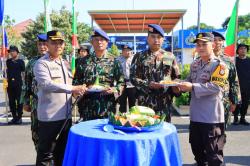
[89, 145]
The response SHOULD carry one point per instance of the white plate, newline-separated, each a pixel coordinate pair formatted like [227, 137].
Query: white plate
[94, 90]
[176, 84]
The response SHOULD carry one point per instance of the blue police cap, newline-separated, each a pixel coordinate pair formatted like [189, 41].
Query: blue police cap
[154, 28]
[99, 32]
[217, 34]
[42, 37]
[126, 46]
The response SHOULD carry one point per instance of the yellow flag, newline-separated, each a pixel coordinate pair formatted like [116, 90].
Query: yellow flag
[5, 84]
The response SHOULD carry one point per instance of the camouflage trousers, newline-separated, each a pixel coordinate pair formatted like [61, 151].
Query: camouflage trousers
[159, 104]
[34, 128]
[227, 114]
[95, 106]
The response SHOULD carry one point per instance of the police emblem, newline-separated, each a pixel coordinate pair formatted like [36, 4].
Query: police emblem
[58, 33]
[200, 36]
[125, 46]
[222, 72]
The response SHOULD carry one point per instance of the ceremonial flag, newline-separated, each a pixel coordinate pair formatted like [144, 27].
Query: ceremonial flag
[1, 11]
[47, 22]
[74, 37]
[231, 33]
[4, 35]
[4, 43]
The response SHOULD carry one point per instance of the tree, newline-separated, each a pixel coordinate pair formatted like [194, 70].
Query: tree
[13, 37]
[114, 50]
[61, 21]
[243, 24]
[202, 26]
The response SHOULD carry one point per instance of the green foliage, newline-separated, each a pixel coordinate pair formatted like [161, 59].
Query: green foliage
[114, 50]
[184, 98]
[8, 22]
[243, 24]
[185, 70]
[202, 26]
[13, 38]
[60, 20]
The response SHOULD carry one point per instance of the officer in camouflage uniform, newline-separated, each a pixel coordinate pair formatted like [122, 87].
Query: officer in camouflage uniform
[232, 90]
[148, 68]
[29, 93]
[102, 66]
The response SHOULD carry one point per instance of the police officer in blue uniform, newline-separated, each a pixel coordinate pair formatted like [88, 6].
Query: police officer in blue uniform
[54, 79]
[15, 68]
[206, 82]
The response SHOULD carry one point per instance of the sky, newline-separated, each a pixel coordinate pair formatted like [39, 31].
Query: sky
[213, 12]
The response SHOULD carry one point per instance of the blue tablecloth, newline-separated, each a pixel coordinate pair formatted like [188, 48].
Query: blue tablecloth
[89, 145]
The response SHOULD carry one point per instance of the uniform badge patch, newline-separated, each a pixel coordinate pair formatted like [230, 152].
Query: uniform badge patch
[219, 76]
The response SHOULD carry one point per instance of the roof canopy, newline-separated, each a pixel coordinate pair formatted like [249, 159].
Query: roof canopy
[135, 21]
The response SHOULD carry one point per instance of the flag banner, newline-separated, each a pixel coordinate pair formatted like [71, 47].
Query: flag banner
[1, 11]
[231, 37]
[74, 37]
[47, 11]
[4, 52]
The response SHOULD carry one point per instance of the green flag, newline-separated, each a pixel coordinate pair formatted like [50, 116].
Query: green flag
[231, 31]
[74, 37]
[47, 22]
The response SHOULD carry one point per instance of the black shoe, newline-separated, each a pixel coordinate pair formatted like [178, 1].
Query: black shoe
[235, 122]
[19, 121]
[13, 121]
[244, 122]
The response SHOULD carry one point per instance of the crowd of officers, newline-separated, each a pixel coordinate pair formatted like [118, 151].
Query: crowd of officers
[49, 88]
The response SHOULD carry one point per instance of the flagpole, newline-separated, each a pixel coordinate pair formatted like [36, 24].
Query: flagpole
[45, 14]
[74, 44]
[47, 22]
[199, 14]
[236, 29]
[5, 83]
